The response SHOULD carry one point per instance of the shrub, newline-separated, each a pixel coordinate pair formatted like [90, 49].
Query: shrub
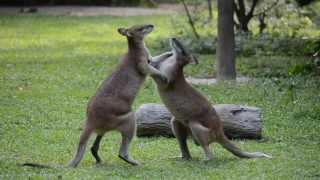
[264, 44]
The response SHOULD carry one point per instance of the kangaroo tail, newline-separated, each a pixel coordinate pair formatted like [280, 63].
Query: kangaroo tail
[36, 165]
[227, 144]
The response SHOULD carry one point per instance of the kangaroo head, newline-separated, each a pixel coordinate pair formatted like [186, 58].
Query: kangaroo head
[182, 55]
[172, 64]
[136, 31]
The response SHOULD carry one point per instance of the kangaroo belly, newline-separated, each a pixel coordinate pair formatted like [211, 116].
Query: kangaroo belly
[181, 107]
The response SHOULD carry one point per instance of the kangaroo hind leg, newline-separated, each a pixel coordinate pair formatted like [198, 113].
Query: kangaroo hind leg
[127, 130]
[95, 148]
[201, 135]
[181, 133]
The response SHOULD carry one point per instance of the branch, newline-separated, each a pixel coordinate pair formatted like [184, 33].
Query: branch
[210, 9]
[253, 6]
[236, 8]
[191, 22]
[267, 9]
[242, 7]
[236, 24]
[262, 24]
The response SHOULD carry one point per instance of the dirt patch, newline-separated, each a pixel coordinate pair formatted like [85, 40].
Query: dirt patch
[163, 9]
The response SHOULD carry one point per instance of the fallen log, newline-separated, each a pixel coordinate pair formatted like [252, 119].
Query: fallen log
[238, 121]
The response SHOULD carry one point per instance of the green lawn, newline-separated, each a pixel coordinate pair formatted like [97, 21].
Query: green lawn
[51, 65]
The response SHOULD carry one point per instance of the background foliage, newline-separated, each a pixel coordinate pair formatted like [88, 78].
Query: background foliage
[51, 65]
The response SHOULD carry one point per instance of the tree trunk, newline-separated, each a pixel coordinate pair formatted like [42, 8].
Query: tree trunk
[225, 50]
[244, 26]
[242, 15]
[238, 121]
[262, 24]
[209, 2]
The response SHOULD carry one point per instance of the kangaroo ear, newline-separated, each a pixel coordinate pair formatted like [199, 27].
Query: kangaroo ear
[193, 60]
[176, 46]
[123, 31]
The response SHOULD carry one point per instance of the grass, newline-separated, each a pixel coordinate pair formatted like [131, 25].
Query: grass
[51, 65]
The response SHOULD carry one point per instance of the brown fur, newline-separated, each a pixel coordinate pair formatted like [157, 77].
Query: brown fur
[191, 111]
[110, 108]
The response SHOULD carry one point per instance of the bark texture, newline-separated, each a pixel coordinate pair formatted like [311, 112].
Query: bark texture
[225, 50]
[238, 121]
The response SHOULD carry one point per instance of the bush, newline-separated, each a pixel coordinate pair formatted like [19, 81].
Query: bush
[269, 45]
[264, 44]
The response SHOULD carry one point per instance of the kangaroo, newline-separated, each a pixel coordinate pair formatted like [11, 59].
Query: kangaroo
[110, 108]
[192, 112]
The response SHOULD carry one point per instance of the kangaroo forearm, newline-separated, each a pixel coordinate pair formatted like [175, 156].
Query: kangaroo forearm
[147, 69]
[162, 56]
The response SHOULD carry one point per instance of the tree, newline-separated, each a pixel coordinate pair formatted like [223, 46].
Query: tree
[225, 50]
[304, 2]
[245, 11]
[243, 16]
[209, 3]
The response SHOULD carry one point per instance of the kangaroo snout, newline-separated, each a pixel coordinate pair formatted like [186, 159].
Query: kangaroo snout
[150, 26]
[173, 39]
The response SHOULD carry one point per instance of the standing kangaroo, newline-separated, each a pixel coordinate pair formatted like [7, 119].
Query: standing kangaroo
[110, 108]
[192, 112]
